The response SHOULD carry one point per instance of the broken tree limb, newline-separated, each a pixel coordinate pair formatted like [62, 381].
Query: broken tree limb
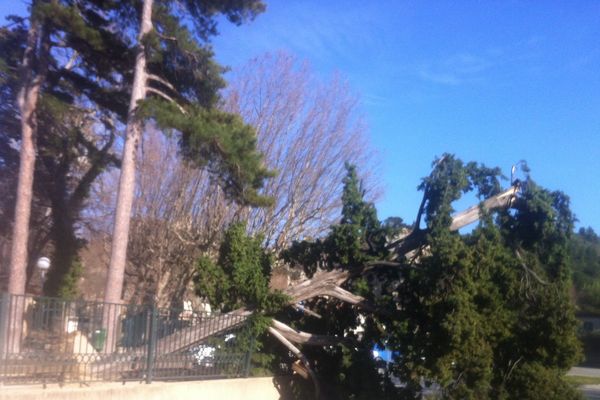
[317, 285]
[307, 311]
[473, 213]
[323, 283]
[411, 240]
[296, 351]
[305, 338]
[348, 297]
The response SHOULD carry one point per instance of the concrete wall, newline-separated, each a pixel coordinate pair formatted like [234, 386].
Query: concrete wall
[226, 389]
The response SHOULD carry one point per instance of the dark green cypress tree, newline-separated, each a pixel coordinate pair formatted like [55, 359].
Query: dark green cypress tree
[487, 314]
[484, 314]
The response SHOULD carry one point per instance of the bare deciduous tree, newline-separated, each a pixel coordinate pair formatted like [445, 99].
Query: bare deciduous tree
[307, 131]
[178, 216]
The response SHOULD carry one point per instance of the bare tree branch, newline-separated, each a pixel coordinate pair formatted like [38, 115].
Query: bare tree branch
[301, 337]
[306, 311]
[166, 97]
[413, 239]
[529, 270]
[162, 81]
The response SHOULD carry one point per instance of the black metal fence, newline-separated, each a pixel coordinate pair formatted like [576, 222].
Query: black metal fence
[44, 340]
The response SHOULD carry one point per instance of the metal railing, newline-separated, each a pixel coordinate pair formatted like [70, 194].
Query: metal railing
[44, 340]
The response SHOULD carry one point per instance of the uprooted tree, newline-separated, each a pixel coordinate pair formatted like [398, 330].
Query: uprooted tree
[480, 314]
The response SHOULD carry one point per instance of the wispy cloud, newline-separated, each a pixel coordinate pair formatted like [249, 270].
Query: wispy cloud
[456, 69]
[442, 78]
[374, 99]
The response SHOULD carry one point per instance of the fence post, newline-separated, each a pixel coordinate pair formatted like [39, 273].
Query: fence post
[4, 322]
[152, 339]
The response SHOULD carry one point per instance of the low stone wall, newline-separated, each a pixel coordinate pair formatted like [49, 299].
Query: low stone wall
[222, 389]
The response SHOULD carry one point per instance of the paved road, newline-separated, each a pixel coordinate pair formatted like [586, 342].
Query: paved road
[591, 392]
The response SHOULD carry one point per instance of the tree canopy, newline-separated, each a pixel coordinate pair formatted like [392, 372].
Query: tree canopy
[85, 51]
[482, 314]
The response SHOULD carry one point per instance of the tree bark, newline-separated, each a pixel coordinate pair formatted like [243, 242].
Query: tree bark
[277, 335]
[118, 257]
[27, 100]
[33, 70]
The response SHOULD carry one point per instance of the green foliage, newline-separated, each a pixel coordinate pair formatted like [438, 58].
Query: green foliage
[535, 381]
[240, 277]
[209, 138]
[99, 39]
[358, 238]
[62, 182]
[220, 142]
[585, 255]
[589, 296]
[474, 319]
[67, 288]
[345, 371]
[484, 314]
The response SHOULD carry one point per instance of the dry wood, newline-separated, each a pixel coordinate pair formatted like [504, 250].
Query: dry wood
[307, 311]
[473, 213]
[323, 283]
[413, 239]
[306, 338]
[300, 356]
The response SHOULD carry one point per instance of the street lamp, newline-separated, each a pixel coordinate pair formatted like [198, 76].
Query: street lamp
[43, 264]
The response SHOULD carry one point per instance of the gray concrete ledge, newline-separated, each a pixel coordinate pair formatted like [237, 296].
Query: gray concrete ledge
[222, 389]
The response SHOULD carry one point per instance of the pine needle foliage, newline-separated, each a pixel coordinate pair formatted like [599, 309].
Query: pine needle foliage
[484, 314]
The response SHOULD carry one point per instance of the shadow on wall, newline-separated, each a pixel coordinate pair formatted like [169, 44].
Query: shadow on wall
[294, 388]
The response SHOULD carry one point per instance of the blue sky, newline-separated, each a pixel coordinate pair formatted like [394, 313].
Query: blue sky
[493, 81]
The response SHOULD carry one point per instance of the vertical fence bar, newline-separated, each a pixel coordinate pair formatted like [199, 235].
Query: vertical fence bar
[152, 339]
[4, 322]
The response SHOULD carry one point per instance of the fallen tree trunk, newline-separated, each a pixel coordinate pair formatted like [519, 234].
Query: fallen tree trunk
[323, 283]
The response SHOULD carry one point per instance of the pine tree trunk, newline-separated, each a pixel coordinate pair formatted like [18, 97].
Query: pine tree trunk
[118, 257]
[33, 70]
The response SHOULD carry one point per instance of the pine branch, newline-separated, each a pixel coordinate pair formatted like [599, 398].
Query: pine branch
[161, 81]
[166, 97]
